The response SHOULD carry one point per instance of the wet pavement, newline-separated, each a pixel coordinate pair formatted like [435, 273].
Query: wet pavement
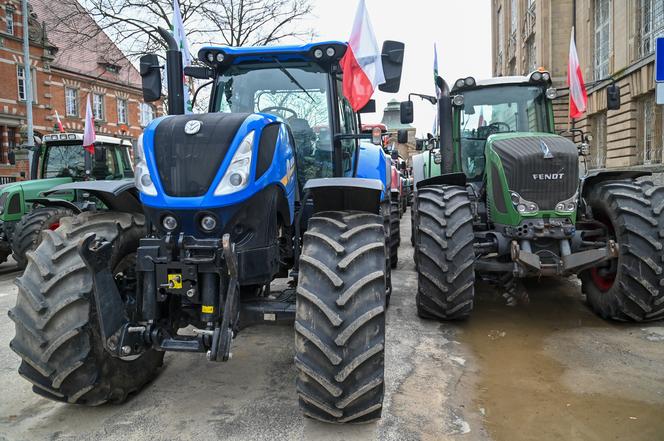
[549, 370]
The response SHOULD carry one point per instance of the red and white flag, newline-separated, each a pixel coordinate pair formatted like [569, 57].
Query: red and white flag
[61, 128]
[362, 64]
[578, 97]
[89, 135]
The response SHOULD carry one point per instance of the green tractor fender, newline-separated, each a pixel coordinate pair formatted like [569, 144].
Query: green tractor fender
[595, 177]
[120, 195]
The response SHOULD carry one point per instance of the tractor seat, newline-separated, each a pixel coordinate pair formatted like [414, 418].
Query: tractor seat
[302, 132]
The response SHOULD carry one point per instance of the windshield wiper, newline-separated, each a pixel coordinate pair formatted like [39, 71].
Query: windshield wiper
[292, 78]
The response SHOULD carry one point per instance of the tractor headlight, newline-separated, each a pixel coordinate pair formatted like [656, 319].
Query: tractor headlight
[142, 178]
[236, 177]
[523, 206]
[568, 206]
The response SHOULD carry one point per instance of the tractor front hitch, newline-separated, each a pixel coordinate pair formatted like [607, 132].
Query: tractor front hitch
[568, 263]
[120, 337]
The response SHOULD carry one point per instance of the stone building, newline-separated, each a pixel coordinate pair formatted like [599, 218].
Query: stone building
[69, 59]
[615, 42]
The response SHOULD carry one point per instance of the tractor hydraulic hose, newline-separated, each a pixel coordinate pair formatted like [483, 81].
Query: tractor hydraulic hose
[174, 72]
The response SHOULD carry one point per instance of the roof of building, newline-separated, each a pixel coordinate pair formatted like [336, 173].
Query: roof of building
[83, 47]
[392, 116]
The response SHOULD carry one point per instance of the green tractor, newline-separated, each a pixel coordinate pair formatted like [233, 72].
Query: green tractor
[25, 211]
[501, 197]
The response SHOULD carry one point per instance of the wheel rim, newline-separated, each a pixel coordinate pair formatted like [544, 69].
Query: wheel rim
[602, 282]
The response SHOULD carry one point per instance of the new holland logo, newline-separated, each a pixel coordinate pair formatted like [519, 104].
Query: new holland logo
[192, 127]
[546, 150]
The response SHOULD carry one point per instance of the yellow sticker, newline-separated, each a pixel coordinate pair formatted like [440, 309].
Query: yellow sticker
[207, 309]
[175, 281]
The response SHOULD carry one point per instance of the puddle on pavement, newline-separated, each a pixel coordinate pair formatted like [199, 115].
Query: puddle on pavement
[519, 387]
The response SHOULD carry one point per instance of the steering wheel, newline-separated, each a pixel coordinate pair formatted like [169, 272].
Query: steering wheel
[496, 126]
[281, 108]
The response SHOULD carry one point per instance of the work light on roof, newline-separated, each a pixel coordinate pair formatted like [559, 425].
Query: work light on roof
[470, 81]
[536, 76]
[220, 57]
[210, 57]
[546, 76]
[459, 83]
[318, 53]
[330, 51]
[458, 100]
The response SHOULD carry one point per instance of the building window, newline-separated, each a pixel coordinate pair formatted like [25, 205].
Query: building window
[9, 19]
[147, 114]
[650, 138]
[597, 158]
[501, 41]
[530, 19]
[602, 38]
[651, 17]
[531, 55]
[71, 101]
[11, 135]
[513, 16]
[98, 106]
[122, 111]
[20, 76]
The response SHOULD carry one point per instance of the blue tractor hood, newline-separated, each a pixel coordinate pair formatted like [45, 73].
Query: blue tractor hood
[188, 156]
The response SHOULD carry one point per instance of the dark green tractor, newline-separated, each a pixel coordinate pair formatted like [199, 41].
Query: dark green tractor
[25, 211]
[504, 198]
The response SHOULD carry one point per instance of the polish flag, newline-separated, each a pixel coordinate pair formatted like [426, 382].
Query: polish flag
[578, 97]
[89, 135]
[61, 128]
[362, 64]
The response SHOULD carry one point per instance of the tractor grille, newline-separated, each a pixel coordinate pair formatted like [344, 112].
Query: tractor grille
[187, 164]
[536, 179]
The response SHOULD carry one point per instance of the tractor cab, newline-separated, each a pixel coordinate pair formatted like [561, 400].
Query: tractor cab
[521, 104]
[62, 156]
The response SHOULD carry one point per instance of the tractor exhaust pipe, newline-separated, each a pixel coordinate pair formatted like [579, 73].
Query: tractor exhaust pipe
[174, 72]
[445, 120]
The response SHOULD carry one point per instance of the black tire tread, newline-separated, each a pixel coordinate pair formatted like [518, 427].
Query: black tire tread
[340, 328]
[27, 233]
[56, 326]
[443, 237]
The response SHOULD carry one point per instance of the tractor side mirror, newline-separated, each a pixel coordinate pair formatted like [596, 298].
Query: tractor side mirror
[370, 107]
[613, 97]
[407, 111]
[199, 72]
[402, 136]
[151, 77]
[392, 57]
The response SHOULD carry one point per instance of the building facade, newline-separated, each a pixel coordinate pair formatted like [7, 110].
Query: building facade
[615, 43]
[65, 70]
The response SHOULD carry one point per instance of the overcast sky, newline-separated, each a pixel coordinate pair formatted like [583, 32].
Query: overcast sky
[461, 29]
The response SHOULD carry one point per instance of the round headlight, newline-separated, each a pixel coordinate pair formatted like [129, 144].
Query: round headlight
[521, 208]
[146, 181]
[458, 100]
[318, 53]
[169, 222]
[546, 76]
[460, 83]
[330, 52]
[220, 57]
[210, 57]
[208, 223]
[560, 207]
[551, 93]
[532, 207]
[571, 206]
[515, 198]
[537, 76]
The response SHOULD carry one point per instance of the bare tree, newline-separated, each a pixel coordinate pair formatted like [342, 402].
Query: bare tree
[132, 24]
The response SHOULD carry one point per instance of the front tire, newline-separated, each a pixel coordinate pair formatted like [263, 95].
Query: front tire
[27, 234]
[340, 318]
[445, 255]
[628, 288]
[57, 328]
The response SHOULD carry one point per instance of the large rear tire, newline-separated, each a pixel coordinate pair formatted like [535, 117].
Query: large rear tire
[57, 329]
[445, 255]
[340, 318]
[628, 288]
[27, 234]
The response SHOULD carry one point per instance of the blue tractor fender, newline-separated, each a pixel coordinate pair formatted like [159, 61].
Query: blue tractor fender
[280, 173]
[373, 163]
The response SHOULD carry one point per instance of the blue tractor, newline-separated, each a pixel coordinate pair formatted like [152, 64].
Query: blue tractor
[274, 181]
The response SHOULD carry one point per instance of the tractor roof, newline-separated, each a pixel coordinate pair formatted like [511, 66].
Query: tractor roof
[538, 77]
[224, 56]
[55, 137]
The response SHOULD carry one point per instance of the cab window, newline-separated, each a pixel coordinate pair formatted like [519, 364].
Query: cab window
[348, 126]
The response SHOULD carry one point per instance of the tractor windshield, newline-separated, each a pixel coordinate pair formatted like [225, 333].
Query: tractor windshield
[501, 109]
[67, 160]
[297, 92]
